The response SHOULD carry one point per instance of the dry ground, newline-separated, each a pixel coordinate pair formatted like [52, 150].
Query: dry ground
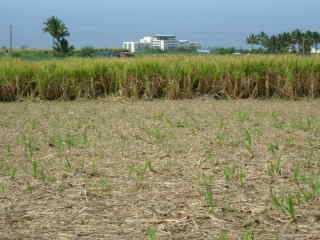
[191, 169]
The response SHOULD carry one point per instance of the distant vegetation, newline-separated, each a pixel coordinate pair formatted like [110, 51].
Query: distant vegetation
[172, 77]
[47, 54]
[295, 42]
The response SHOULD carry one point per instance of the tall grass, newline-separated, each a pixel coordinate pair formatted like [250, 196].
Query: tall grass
[172, 77]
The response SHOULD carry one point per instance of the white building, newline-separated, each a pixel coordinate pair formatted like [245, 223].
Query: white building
[159, 41]
[186, 44]
[164, 42]
[315, 50]
[146, 40]
[133, 46]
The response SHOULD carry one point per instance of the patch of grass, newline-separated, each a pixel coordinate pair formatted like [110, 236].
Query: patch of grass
[152, 233]
[274, 167]
[285, 203]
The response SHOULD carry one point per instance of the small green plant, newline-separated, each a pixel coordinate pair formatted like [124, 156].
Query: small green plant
[274, 167]
[138, 172]
[315, 185]
[29, 188]
[12, 172]
[58, 142]
[3, 188]
[242, 116]
[67, 164]
[285, 203]
[248, 235]
[229, 173]
[38, 172]
[28, 147]
[291, 141]
[223, 235]
[71, 140]
[209, 153]
[94, 169]
[84, 138]
[152, 233]
[155, 133]
[148, 166]
[221, 137]
[221, 124]
[242, 176]
[296, 175]
[277, 122]
[205, 180]
[248, 142]
[104, 184]
[208, 197]
[35, 167]
[9, 153]
[273, 148]
[275, 115]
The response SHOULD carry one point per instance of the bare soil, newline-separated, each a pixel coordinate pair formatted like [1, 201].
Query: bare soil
[190, 169]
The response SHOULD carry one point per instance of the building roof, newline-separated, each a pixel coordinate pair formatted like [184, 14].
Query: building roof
[164, 36]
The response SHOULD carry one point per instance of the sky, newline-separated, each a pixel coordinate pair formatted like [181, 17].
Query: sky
[107, 23]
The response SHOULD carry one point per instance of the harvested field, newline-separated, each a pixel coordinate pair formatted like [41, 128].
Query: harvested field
[189, 169]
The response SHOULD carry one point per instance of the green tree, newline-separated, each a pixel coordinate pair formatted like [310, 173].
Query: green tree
[87, 51]
[252, 40]
[59, 32]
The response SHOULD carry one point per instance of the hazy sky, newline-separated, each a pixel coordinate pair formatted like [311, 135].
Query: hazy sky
[106, 23]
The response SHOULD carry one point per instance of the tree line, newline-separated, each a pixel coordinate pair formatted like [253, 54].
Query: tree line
[297, 41]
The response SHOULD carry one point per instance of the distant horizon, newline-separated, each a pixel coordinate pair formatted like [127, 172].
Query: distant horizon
[107, 24]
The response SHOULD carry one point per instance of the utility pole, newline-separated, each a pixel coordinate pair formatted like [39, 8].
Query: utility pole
[11, 37]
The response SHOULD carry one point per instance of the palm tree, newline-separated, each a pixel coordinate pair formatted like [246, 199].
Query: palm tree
[315, 39]
[252, 40]
[58, 31]
[263, 39]
[297, 39]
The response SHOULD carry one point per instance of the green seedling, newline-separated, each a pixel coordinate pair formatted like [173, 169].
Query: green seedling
[242, 116]
[138, 172]
[297, 176]
[58, 142]
[205, 180]
[36, 169]
[285, 203]
[273, 148]
[208, 197]
[248, 142]
[9, 153]
[94, 169]
[29, 188]
[151, 233]
[274, 168]
[242, 176]
[248, 235]
[12, 172]
[67, 164]
[155, 133]
[221, 137]
[229, 173]
[104, 184]
[3, 188]
[223, 235]
[291, 141]
[71, 140]
[84, 138]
